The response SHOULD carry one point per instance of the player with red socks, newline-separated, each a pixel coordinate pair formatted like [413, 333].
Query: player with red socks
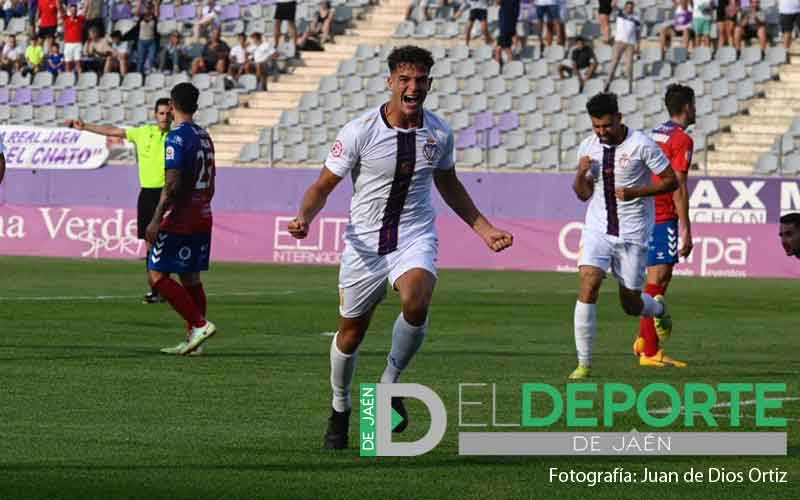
[180, 232]
[671, 209]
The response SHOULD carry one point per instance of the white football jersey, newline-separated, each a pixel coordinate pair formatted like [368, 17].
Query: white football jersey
[392, 171]
[629, 164]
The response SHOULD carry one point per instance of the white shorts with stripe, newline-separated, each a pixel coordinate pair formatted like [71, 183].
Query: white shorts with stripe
[627, 260]
[363, 276]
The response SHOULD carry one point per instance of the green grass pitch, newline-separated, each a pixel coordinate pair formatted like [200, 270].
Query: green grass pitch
[90, 410]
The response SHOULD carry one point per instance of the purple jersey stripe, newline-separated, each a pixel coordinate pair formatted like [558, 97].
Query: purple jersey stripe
[403, 172]
[612, 226]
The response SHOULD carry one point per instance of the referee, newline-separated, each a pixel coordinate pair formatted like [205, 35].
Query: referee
[149, 141]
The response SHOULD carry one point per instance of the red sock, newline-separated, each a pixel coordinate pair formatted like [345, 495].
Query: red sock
[198, 296]
[647, 327]
[180, 300]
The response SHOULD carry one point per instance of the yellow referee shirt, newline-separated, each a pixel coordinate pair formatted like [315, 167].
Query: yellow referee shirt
[149, 141]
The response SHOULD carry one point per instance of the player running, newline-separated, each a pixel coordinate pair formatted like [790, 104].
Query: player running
[392, 154]
[180, 232]
[678, 146]
[614, 174]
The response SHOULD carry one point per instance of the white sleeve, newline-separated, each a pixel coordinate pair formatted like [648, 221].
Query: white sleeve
[344, 154]
[583, 150]
[447, 162]
[653, 157]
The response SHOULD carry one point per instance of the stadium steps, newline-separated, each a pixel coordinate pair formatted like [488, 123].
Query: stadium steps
[264, 109]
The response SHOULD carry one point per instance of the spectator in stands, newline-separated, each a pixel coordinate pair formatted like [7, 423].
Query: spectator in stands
[12, 9]
[207, 17]
[12, 56]
[173, 56]
[319, 31]
[55, 60]
[546, 15]
[626, 41]
[237, 57]
[48, 18]
[424, 6]
[285, 11]
[33, 8]
[94, 19]
[604, 10]
[478, 11]
[582, 63]
[752, 24]
[727, 12]
[95, 51]
[214, 56]
[118, 59]
[146, 44]
[34, 55]
[73, 33]
[262, 60]
[789, 11]
[702, 19]
[509, 13]
[681, 27]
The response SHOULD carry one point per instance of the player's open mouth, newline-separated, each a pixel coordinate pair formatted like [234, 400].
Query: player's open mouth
[411, 99]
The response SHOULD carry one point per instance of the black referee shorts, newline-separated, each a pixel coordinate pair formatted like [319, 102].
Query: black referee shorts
[285, 11]
[145, 208]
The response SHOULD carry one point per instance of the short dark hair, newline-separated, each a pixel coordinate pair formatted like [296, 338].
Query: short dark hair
[678, 97]
[602, 104]
[161, 101]
[792, 218]
[410, 54]
[184, 97]
[116, 34]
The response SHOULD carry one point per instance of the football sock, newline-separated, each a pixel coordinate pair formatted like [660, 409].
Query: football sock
[585, 331]
[198, 297]
[651, 306]
[180, 300]
[406, 341]
[343, 367]
[647, 327]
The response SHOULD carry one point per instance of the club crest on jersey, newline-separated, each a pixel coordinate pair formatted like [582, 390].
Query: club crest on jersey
[170, 153]
[431, 150]
[624, 160]
[337, 149]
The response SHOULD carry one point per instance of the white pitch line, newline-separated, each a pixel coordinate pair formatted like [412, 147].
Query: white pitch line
[59, 298]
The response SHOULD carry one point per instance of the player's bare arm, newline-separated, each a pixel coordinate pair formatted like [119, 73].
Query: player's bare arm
[2, 167]
[313, 201]
[169, 195]
[681, 199]
[667, 183]
[107, 130]
[584, 184]
[457, 198]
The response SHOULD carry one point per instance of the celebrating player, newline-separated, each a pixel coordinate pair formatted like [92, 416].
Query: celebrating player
[789, 233]
[614, 173]
[392, 154]
[670, 209]
[180, 232]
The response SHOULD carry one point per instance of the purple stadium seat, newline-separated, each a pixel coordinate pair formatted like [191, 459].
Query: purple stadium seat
[186, 12]
[245, 3]
[229, 12]
[22, 96]
[121, 11]
[467, 138]
[508, 121]
[167, 12]
[269, 2]
[490, 138]
[67, 97]
[4, 95]
[44, 97]
[483, 121]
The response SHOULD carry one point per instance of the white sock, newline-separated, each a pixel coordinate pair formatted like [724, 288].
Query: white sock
[652, 307]
[406, 340]
[343, 367]
[585, 331]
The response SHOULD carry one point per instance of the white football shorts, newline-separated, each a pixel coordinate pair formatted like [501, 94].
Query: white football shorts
[363, 276]
[627, 260]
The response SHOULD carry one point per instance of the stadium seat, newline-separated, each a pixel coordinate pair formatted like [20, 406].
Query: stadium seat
[719, 88]
[19, 80]
[472, 157]
[44, 97]
[5, 96]
[478, 103]
[520, 158]
[87, 80]
[22, 115]
[549, 158]
[736, 72]
[64, 80]
[726, 55]
[22, 96]
[761, 72]
[767, 164]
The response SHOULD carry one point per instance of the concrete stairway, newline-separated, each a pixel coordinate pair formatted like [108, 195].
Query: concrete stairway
[259, 110]
[736, 152]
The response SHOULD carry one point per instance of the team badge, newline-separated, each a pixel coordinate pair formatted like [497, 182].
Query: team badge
[624, 160]
[337, 149]
[431, 150]
[170, 153]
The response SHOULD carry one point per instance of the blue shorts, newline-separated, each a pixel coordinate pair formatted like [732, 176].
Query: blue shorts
[548, 11]
[180, 253]
[664, 244]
